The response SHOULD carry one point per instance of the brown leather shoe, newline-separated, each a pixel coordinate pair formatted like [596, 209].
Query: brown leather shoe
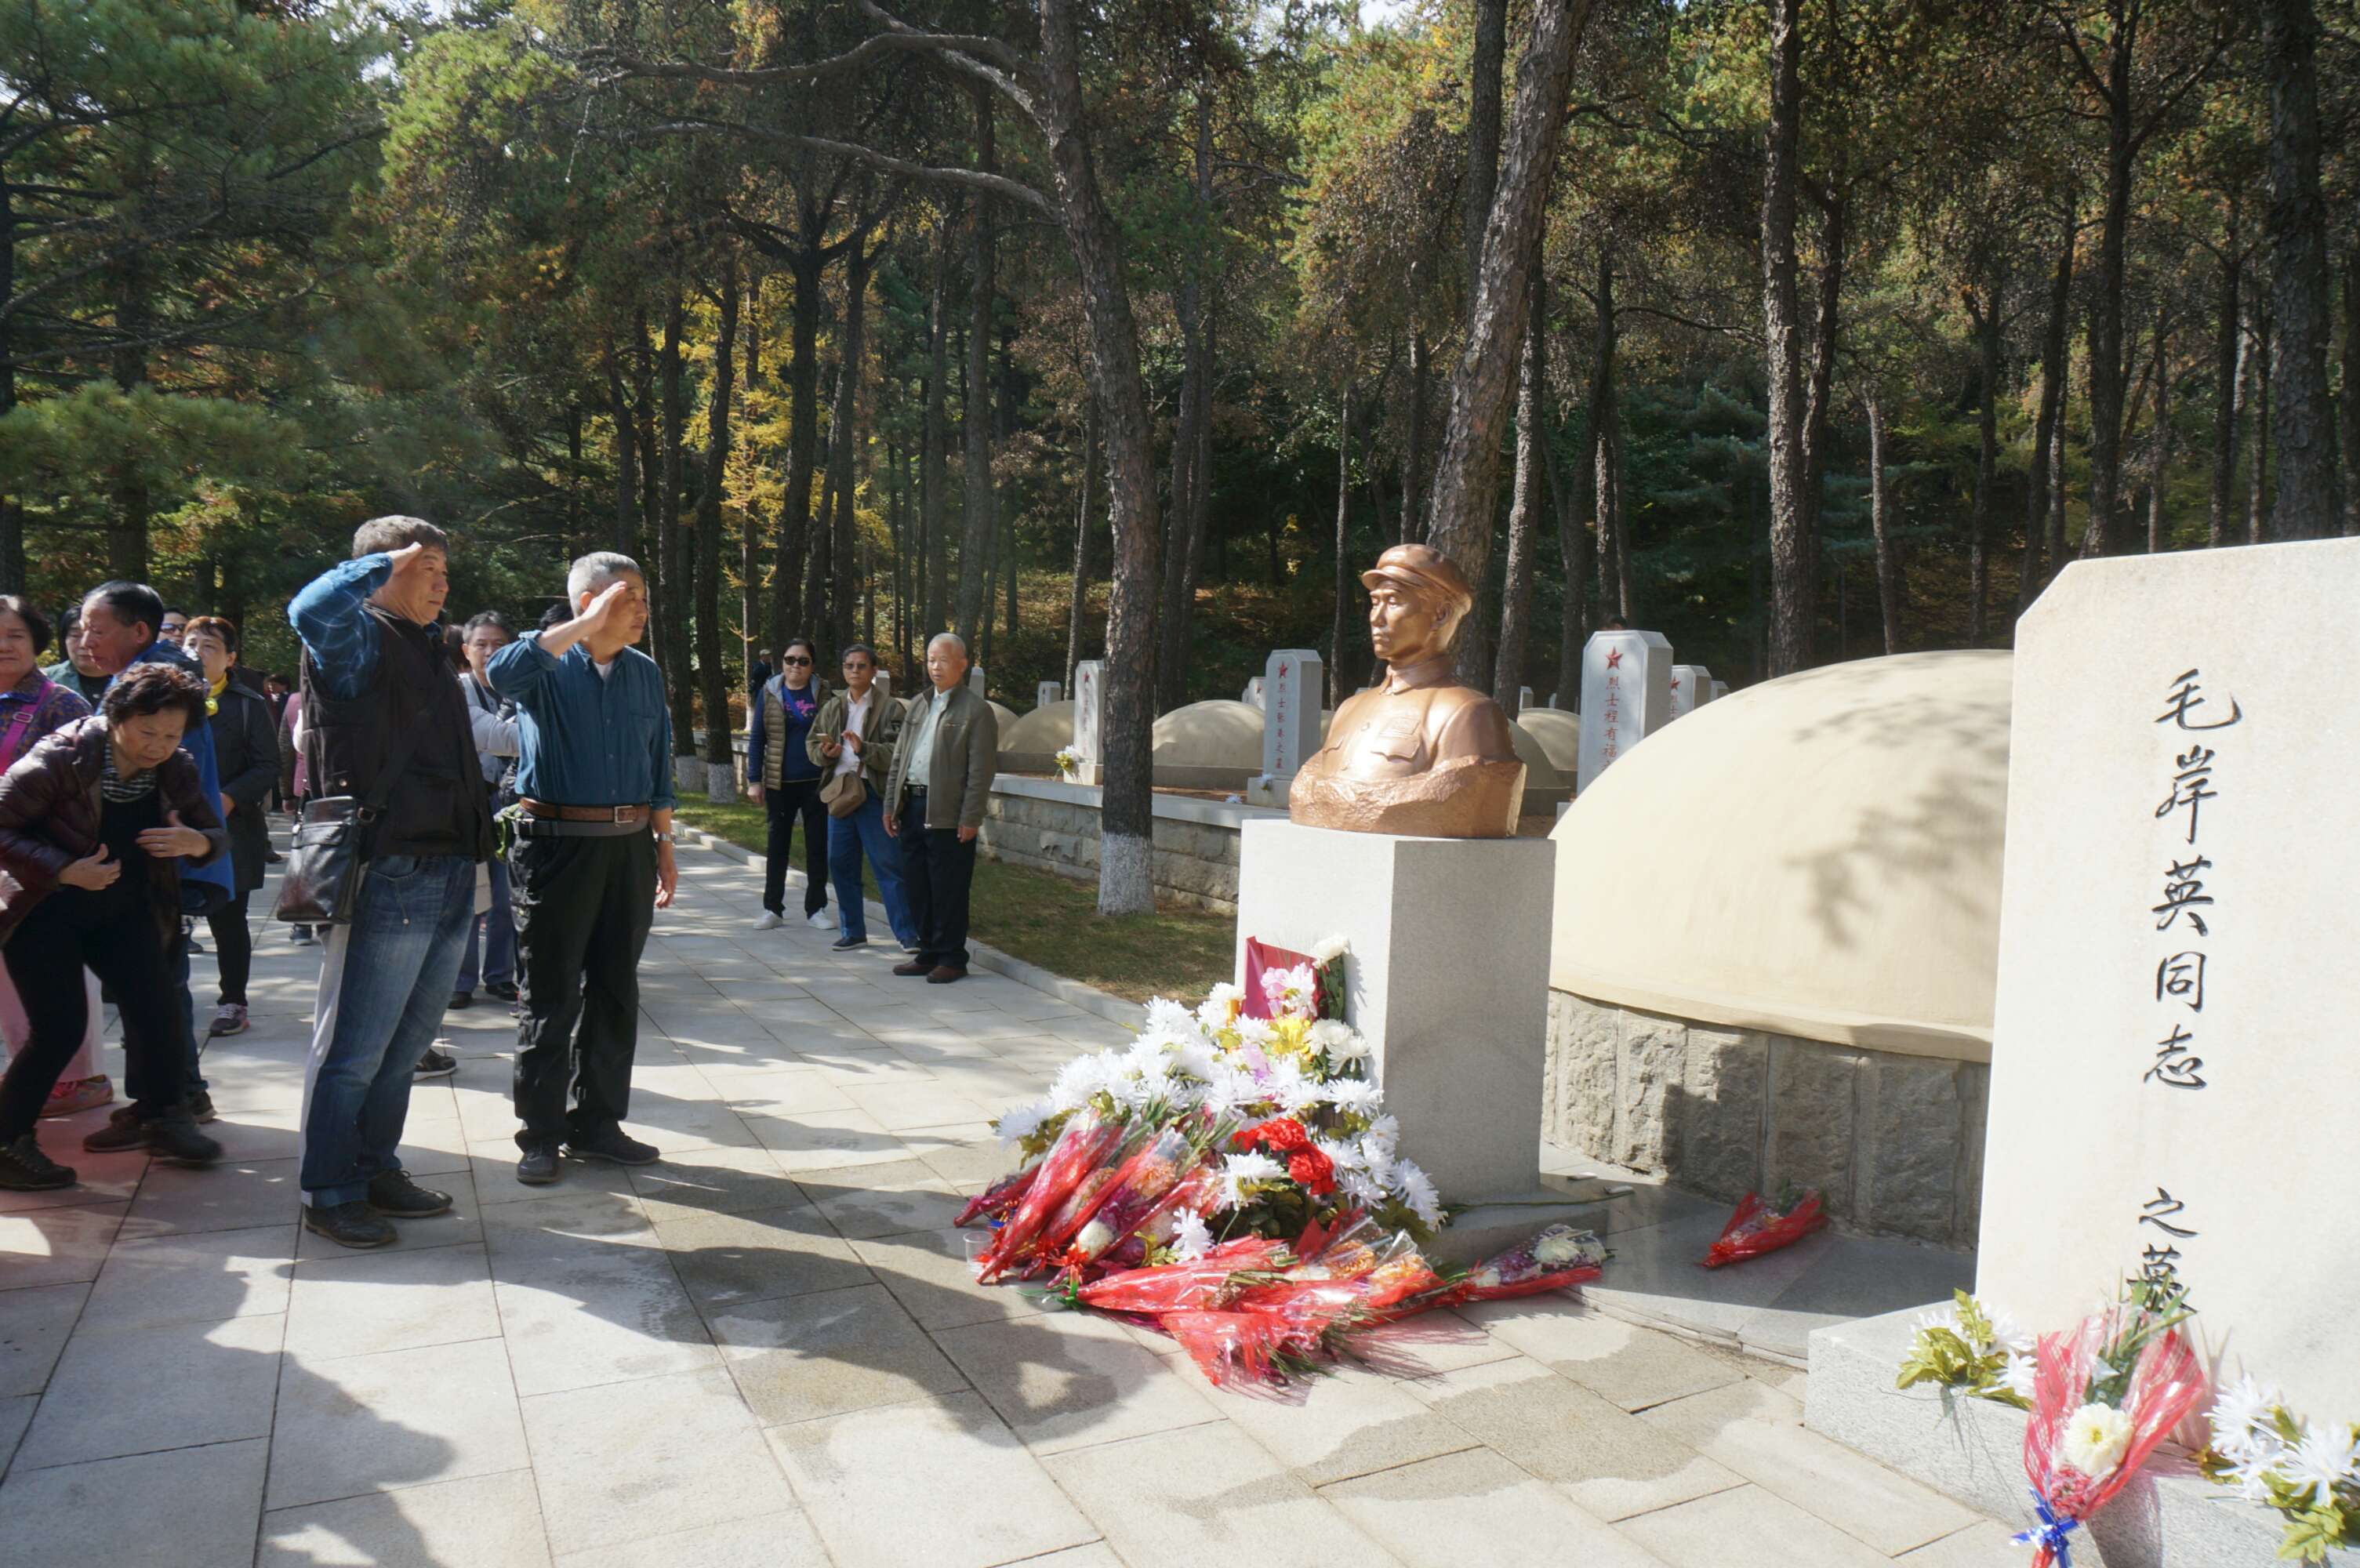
[943, 975]
[914, 967]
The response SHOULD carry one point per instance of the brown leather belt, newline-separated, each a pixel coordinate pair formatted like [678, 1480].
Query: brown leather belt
[620, 816]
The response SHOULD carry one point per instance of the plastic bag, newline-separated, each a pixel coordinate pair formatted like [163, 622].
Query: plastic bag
[2082, 1414]
[1758, 1228]
[1000, 1197]
[1206, 1283]
[1556, 1258]
[1078, 1151]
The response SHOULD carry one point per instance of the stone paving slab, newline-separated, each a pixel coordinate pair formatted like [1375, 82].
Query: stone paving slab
[768, 1347]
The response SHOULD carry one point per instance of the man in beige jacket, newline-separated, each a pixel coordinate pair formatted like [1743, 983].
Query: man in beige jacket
[934, 805]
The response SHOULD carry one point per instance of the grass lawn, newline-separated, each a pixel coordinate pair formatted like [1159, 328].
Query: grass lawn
[1051, 920]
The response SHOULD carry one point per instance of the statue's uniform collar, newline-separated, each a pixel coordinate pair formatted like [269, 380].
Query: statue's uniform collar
[1425, 673]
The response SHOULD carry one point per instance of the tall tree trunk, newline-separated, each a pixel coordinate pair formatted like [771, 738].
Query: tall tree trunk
[2108, 372]
[1818, 391]
[2056, 460]
[1574, 501]
[2160, 470]
[1340, 623]
[2039, 562]
[819, 560]
[1600, 480]
[1462, 510]
[1524, 510]
[674, 588]
[712, 670]
[626, 535]
[1180, 557]
[1782, 324]
[845, 460]
[981, 512]
[2310, 502]
[1880, 528]
[1491, 56]
[1079, 602]
[2228, 381]
[2260, 525]
[749, 531]
[1987, 333]
[805, 266]
[649, 545]
[2347, 408]
[935, 476]
[1421, 373]
[12, 514]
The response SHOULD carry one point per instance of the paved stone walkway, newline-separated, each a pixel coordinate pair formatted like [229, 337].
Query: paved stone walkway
[767, 1349]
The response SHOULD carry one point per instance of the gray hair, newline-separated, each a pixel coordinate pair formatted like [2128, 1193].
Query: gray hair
[953, 638]
[597, 569]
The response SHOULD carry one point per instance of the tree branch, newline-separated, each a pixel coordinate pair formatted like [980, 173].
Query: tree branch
[966, 179]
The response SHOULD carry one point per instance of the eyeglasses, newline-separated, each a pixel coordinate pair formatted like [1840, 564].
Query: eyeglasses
[794, 658]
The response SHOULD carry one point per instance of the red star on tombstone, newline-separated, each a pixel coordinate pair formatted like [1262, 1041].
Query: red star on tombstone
[1282, 671]
[1613, 658]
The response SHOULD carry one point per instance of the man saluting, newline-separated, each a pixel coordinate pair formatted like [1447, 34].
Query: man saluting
[591, 861]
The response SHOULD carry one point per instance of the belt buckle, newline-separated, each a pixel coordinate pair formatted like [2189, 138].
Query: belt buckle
[620, 820]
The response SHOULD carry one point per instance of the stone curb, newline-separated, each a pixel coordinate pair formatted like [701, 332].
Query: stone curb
[1089, 999]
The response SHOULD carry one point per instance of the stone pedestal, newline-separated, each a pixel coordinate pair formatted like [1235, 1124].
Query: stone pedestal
[1446, 977]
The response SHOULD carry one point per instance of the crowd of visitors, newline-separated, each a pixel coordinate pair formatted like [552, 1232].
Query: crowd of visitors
[510, 800]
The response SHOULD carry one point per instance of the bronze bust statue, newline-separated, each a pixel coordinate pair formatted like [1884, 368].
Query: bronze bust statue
[1418, 755]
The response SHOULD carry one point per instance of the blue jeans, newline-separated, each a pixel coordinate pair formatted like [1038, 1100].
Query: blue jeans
[846, 838]
[384, 983]
[498, 942]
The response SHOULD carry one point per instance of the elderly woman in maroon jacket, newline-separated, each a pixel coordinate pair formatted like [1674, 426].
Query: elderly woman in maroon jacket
[95, 823]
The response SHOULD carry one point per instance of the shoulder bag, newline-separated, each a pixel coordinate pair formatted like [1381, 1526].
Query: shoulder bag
[334, 841]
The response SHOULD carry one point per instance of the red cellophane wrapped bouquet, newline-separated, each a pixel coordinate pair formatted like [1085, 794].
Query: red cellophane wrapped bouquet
[2103, 1396]
[1758, 1228]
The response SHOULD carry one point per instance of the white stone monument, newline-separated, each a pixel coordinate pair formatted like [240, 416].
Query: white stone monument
[1626, 696]
[1048, 692]
[1720, 690]
[1291, 686]
[1446, 977]
[2172, 1086]
[1524, 700]
[1692, 688]
[975, 679]
[1089, 721]
[1252, 695]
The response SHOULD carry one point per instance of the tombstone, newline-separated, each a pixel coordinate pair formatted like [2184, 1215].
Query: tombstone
[1252, 695]
[2171, 1090]
[1524, 700]
[1291, 686]
[1720, 690]
[975, 679]
[1692, 688]
[1626, 696]
[1089, 721]
[1048, 692]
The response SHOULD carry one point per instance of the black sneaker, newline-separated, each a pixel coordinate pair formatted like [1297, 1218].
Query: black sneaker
[394, 1193]
[174, 1136]
[538, 1167]
[503, 990]
[840, 943]
[613, 1146]
[124, 1129]
[24, 1168]
[463, 999]
[200, 1108]
[348, 1225]
[433, 1063]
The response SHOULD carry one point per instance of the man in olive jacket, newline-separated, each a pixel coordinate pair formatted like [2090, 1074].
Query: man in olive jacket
[935, 799]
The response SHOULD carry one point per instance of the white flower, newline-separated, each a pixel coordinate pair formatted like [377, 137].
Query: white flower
[1081, 1078]
[1148, 1053]
[2096, 1438]
[2253, 1473]
[1561, 1246]
[1416, 1190]
[1229, 1089]
[1193, 1055]
[2322, 1460]
[1168, 1016]
[1329, 949]
[1361, 1188]
[1256, 1031]
[1347, 1048]
[1353, 1096]
[2242, 1418]
[1940, 1317]
[2011, 1335]
[1341, 1155]
[1385, 1132]
[1192, 1240]
[1289, 1090]
[2016, 1376]
[1239, 1170]
[1220, 1007]
[1095, 1237]
[1018, 1123]
[1485, 1278]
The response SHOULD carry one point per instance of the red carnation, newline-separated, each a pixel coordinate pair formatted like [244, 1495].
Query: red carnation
[1282, 1135]
[1313, 1169]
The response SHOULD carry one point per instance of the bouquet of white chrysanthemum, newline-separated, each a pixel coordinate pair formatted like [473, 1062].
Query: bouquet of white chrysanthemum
[1069, 763]
[2308, 1473]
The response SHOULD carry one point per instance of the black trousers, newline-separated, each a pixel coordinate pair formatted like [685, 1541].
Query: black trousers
[582, 909]
[233, 947]
[796, 799]
[113, 933]
[937, 872]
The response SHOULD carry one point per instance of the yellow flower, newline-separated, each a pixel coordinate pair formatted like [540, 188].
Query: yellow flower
[1291, 1037]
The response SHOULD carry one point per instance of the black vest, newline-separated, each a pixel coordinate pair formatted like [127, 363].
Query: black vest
[440, 805]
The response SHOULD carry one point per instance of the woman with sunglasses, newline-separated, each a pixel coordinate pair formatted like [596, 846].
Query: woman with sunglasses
[782, 778]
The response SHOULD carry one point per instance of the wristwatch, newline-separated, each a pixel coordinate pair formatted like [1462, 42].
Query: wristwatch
[664, 838]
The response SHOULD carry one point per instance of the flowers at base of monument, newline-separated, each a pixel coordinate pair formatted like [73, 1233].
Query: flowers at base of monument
[1068, 761]
[1558, 1258]
[1756, 1227]
[2308, 1473]
[2105, 1394]
[1967, 1346]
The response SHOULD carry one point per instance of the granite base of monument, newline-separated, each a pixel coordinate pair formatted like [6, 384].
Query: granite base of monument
[1446, 978]
[1973, 1450]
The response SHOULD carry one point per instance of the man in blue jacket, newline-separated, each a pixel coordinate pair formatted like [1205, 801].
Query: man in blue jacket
[121, 624]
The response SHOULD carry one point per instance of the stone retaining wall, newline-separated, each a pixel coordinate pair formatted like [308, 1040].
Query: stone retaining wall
[1894, 1142]
[1055, 827]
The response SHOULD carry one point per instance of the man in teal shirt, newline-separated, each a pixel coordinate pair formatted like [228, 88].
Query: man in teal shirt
[591, 862]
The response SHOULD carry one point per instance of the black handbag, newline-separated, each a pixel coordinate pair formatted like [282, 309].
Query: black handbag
[334, 841]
